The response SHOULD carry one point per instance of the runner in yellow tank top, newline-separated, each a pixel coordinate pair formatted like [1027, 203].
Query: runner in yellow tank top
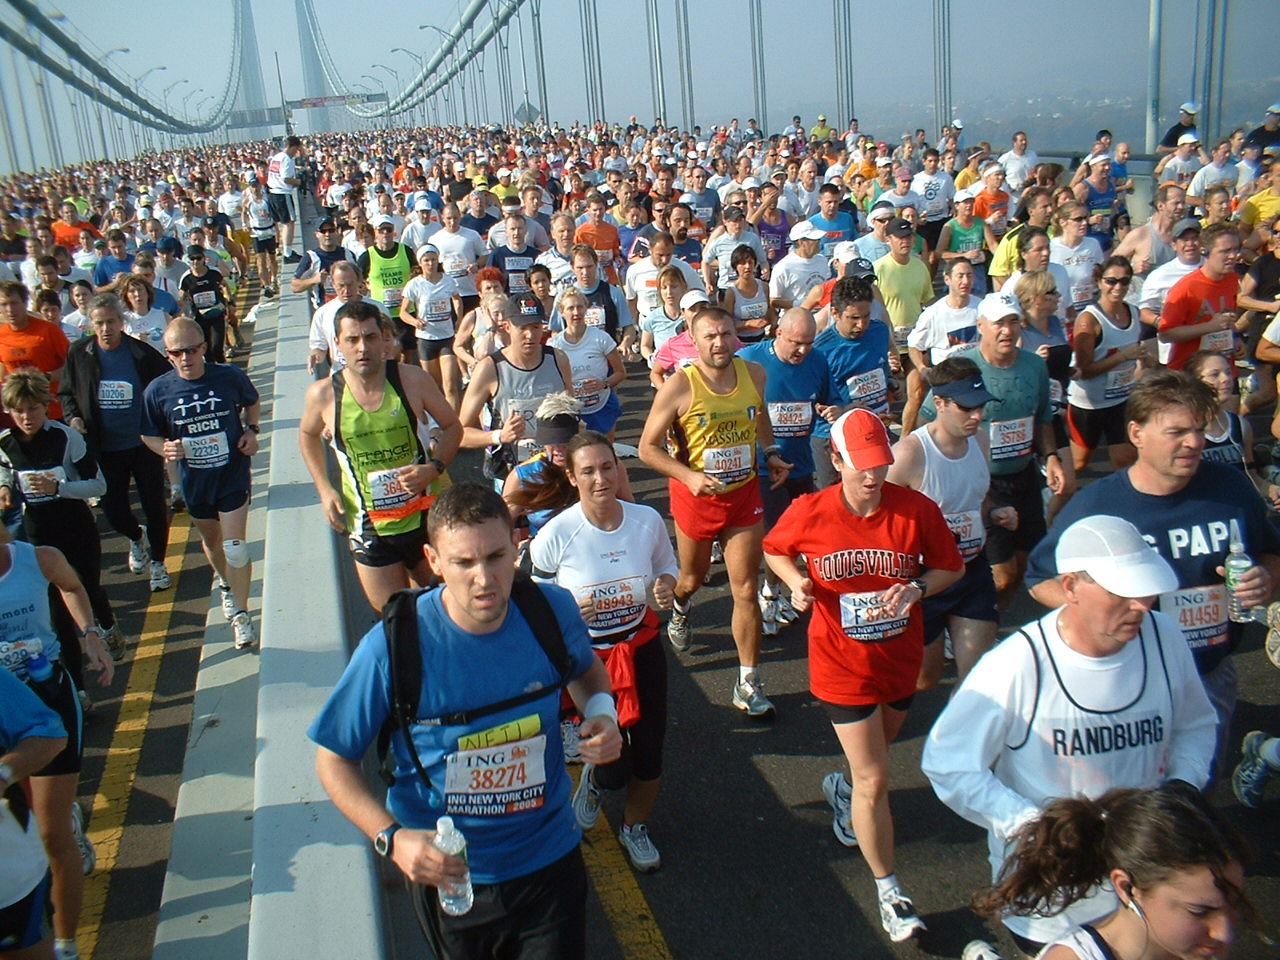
[717, 434]
[714, 413]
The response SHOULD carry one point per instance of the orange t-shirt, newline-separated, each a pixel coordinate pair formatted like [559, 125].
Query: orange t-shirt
[40, 344]
[605, 241]
[1194, 299]
[856, 655]
[68, 234]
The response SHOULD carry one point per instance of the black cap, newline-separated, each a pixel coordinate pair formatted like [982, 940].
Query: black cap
[210, 221]
[900, 227]
[734, 213]
[326, 222]
[168, 245]
[528, 310]
[195, 250]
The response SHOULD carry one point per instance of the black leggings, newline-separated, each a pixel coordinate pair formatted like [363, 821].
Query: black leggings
[215, 335]
[642, 741]
[147, 472]
[69, 526]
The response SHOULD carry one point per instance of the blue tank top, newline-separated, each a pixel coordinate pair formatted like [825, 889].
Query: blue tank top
[25, 626]
[1102, 202]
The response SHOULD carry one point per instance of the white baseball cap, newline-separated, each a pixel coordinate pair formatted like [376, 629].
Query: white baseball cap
[997, 306]
[807, 230]
[1113, 552]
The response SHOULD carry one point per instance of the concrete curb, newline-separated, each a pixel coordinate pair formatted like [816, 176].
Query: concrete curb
[315, 888]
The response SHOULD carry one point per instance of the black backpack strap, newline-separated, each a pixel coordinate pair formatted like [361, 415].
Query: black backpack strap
[404, 665]
[1035, 660]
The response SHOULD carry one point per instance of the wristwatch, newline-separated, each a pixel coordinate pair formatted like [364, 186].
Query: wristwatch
[254, 427]
[438, 464]
[385, 841]
[919, 584]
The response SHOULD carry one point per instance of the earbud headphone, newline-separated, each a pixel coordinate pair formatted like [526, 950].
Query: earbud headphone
[1132, 904]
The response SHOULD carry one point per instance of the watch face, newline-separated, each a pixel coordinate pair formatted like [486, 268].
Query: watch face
[381, 842]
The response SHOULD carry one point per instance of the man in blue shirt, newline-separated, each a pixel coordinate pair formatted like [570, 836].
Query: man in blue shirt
[204, 416]
[856, 348]
[834, 222]
[522, 844]
[799, 391]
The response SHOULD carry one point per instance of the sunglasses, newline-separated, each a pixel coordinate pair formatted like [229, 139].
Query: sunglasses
[1077, 219]
[1117, 281]
[176, 352]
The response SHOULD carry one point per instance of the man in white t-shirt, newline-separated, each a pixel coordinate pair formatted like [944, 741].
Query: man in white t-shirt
[1018, 163]
[422, 226]
[1099, 693]
[282, 180]
[641, 285]
[800, 270]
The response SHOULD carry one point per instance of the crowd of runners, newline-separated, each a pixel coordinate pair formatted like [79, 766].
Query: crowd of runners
[891, 384]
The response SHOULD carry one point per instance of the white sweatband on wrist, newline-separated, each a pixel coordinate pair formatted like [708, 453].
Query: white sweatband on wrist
[495, 437]
[600, 705]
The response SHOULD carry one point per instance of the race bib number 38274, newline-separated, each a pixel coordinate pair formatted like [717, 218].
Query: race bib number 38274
[491, 781]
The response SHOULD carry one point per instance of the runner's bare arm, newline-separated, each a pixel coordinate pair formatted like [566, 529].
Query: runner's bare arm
[311, 428]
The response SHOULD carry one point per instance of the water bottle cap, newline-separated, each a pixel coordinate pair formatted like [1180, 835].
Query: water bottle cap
[444, 825]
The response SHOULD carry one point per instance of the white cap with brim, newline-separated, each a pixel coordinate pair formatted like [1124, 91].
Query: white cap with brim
[1188, 138]
[692, 299]
[997, 306]
[1113, 552]
[1190, 107]
[806, 230]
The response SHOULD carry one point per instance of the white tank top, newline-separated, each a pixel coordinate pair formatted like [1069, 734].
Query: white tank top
[1113, 387]
[1097, 723]
[1083, 944]
[958, 487]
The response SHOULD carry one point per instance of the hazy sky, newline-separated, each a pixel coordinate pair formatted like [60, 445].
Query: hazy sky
[1002, 49]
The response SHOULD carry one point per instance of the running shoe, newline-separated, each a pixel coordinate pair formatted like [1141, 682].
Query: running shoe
[980, 950]
[768, 614]
[114, 641]
[86, 704]
[159, 576]
[569, 741]
[786, 612]
[840, 798]
[898, 917]
[176, 502]
[242, 627]
[586, 799]
[292, 257]
[65, 950]
[678, 630]
[1250, 776]
[641, 852]
[717, 552]
[1273, 633]
[88, 856]
[228, 600]
[748, 696]
[139, 555]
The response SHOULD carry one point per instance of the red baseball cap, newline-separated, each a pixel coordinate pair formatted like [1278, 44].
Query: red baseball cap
[862, 440]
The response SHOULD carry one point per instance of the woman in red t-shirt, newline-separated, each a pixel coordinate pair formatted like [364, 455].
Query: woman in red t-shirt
[872, 551]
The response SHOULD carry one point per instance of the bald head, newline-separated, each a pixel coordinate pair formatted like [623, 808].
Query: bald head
[796, 330]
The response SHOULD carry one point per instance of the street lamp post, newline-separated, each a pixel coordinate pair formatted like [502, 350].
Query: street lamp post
[98, 104]
[386, 118]
[395, 76]
[462, 83]
[146, 131]
[165, 97]
[418, 60]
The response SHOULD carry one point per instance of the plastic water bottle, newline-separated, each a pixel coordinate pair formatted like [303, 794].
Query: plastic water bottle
[40, 678]
[1237, 564]
[455, 899]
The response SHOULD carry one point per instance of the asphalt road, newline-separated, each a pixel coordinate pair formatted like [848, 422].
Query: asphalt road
[750, 866]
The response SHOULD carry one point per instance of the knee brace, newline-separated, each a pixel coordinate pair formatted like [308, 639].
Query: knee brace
[236, 552]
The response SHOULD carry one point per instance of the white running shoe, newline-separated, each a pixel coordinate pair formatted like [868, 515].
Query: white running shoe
[586, 799]
[159, 576]
[898, 917]
[242, 627]
[748, 696]
[569, 741]
[228, 600]
[768, 614]
[840, 798]
[139, 555]
[641, 852]
[979, 950]
[786, 612]
[88, 856]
